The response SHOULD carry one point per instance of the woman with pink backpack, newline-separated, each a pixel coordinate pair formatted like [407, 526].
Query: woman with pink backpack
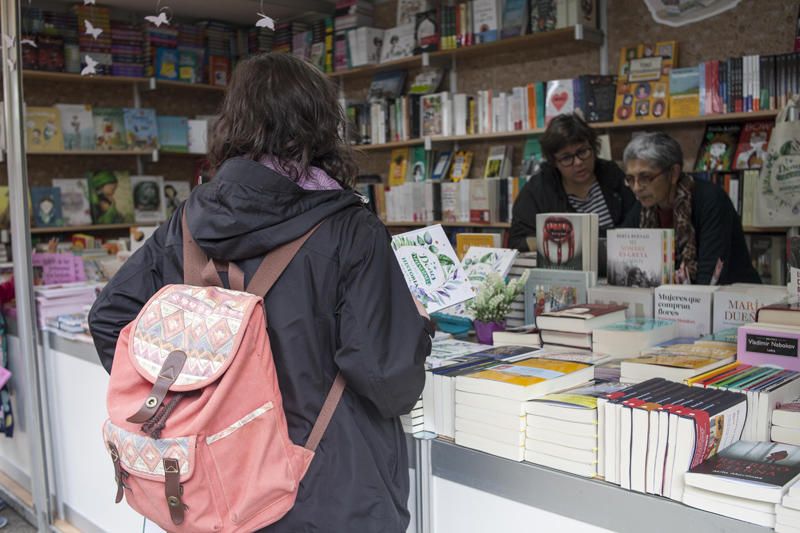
[338, 306]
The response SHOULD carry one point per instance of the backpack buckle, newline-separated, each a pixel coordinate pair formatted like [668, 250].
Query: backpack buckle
[167, 376]
[173, 490]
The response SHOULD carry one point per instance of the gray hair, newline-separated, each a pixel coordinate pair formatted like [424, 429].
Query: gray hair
[657, 148]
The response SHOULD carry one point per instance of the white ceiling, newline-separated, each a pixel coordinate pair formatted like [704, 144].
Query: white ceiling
[234, 11]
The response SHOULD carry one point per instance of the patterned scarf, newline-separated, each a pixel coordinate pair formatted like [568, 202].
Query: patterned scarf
[684, 230]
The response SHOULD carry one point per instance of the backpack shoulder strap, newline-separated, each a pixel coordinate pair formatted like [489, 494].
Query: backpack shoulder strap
[274, 263]
[326, 413]
[201, 271]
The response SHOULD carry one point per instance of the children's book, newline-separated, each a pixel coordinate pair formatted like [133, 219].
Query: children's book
[46, 203]
[560, 98]
[141, 128]
[110, 197]
[398, 167]
[109, 128]
[77, 126]
[398, 42]
[442, 165]
[462, 162]
[426, 31]
[751, 150]
[74, 201]
[515, 18]
[148, 199]
[643, 81]
[431, 269]
[596, 97]
[173, 133]
[175, 193]
[718, 147]
[43, 130]
[418, 168]
[684, 92]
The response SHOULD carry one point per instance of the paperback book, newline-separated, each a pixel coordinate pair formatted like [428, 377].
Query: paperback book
[431, 268]
[173, 133]
[175, 193]
[640, 257]
[567, 241]
[46, 205]
[111, 197]
[74, 201]
[148, 199]
[718, 147]
[109, 128]
[43, 130]
[141, 128]
[550, 290]
[77, 125]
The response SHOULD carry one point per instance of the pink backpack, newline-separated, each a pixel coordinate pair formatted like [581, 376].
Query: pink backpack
[196, 427]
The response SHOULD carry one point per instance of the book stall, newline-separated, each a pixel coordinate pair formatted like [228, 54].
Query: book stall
[576, 381]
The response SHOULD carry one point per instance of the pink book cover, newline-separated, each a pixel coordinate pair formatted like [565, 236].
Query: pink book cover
[760, 345]
[5, 375]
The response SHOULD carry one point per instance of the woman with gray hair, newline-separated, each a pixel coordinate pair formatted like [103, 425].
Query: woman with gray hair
[710, 242]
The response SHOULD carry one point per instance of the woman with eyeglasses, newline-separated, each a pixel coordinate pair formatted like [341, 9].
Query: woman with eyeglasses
[708, 231]
[572, 179]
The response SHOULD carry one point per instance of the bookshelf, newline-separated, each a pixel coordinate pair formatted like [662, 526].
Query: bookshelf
[605, 126]
[568, 41]
[97, 153]
[74, 229]
[152, 83]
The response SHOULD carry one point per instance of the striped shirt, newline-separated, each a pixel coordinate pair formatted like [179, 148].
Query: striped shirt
[593, 203]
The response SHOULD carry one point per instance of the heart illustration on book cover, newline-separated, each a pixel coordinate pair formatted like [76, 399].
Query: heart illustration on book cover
[559, 99]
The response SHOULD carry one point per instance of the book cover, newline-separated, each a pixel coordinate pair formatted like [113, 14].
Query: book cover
[418, 168]
[426, 31]
[684, 92]
[398, 167]
[167, 63]
[643, 81]
[148, 199]
[141, 128]
[478, 263]
[46, 204]
[567, 241]
[640, 257]
[597, 94]
[486, 20]
[462, 162]
[74, 201]
[111, 197]
[690, 306]
[408, 9]
[515, 18]
[560, 98]
[175, 193]
[387, 85]
[738, 304]
[219, 70]
[639, 325]
[543, 15]
[550, 290]
[5, 217]
[464, 241]
[532, 157]
[718, 147]
[173, 133]
[754, 462]
[751, 150]
[433, 114]
[442, 165]
[585, 311]
[77, 126]
[495, 161]
[43, 130]
[672, 360]
[398, 42]
[525, 372]
[196, 136]
[109, 128]
[768, 344]
[431, 268]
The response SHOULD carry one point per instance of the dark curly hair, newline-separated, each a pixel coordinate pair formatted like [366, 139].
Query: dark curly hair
[278, 105]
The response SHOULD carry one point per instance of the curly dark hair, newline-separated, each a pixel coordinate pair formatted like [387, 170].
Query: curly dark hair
[278, 105]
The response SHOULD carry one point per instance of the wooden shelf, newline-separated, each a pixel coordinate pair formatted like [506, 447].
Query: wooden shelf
[728, 117]
[753, 229]
[559, 42]
[152, 82]
[496, 225]
[96, 152]
[92, 227]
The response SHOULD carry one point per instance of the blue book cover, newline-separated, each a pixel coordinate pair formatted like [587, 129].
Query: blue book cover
[173, 133]
[639, 324]
[141, 128]
[167, 64]
[515, 18]
[46, 204]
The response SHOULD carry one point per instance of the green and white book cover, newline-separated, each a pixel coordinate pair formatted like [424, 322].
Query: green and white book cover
[431, 268]
[638, 324]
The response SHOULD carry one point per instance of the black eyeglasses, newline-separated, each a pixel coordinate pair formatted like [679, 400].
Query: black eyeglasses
[567, 160]
[644, 179]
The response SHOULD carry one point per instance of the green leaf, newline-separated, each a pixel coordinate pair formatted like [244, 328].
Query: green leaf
[433, 249]
[427, 237]
[420, 240]
[443, 259]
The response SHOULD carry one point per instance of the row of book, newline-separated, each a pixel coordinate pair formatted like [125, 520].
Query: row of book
[66, 127]
[103, 197]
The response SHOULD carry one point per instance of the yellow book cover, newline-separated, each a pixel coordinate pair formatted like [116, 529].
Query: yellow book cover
[719, 351]
[643, 84]
[462, 162]
[674, 360]
[5, 216]
[398, 167]
[465, 240]
[527, 372]
[713, 373]
[577, 400]
[43, 130]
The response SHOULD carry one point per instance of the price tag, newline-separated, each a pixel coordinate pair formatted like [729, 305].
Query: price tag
[428, 144]
[426, 59]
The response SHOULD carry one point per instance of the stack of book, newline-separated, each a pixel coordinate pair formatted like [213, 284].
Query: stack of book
[220, 41]
[774, 339]
[127, 50]
[638, 301]
[525, 261]
[572, 326]
[562, 429]
[156, 37]
[677, 360]
[786, 423]
[765, 387]
[629, 338]
[90, 20]
[746, 481]
[657, 430]
[737, 304]
[787, 513]
[55, 300]
[490, 400]
[553, 289]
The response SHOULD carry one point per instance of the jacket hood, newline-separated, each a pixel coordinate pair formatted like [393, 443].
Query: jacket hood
[248, 210]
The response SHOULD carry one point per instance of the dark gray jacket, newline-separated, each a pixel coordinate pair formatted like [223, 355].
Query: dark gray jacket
[544, 193]
[341, 304]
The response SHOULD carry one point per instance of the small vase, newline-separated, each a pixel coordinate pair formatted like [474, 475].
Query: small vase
[485, 330]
